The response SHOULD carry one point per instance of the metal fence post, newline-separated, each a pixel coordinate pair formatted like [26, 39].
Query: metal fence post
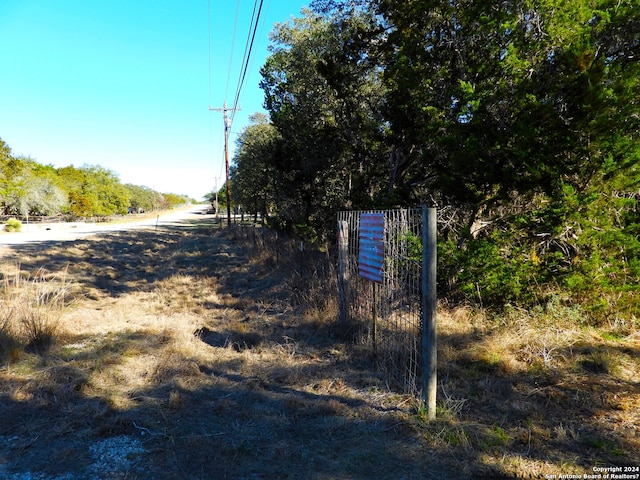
[343, 271]
[429, 299]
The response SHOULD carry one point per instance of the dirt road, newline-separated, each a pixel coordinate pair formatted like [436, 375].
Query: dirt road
[38, 232]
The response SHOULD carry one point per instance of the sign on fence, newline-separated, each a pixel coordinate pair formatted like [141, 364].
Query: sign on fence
[371, 252]
[382, 247]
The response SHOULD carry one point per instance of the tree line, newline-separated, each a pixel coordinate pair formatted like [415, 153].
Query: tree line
[28, 188]
[519, 119]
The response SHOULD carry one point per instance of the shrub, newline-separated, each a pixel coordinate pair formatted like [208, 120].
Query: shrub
[29, 313]
[13, 225]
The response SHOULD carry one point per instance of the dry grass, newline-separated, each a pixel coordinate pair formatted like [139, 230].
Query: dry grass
[29, 309]
[217, 350]
[541, 394]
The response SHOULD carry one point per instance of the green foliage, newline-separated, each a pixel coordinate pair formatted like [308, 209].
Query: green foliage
[323, 93]
[172, 200]
[520, 119]
[141, 198]
[29, 188]
[103, 192]
[605, 272]
[488, 272]
[13, 225]
[584, 247]
[253, 171]
[487, 100]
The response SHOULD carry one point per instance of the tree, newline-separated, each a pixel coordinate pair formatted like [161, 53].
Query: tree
[322, 91]
[141, 198]
[172, 200]
[29, 188]
[524, 113]
[5, 151]
[252, 171]
[489, 99]
[94, 191]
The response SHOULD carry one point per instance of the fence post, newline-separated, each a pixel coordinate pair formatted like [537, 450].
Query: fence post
[429, 299]
[343, 271]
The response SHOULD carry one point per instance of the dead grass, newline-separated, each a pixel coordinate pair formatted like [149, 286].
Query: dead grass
[218, 351]
[541, 393]
[29, 309]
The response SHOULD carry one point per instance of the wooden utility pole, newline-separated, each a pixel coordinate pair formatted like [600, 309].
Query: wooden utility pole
[227, 130]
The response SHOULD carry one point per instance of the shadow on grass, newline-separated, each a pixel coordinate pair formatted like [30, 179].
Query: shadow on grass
[211, 421]
[216, 421]
[229, 426]
[577, 411]
[120, 262]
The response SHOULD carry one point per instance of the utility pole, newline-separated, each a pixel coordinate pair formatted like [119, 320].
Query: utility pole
[227, 130]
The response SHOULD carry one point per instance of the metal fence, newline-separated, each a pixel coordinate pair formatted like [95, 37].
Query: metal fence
[389, 310]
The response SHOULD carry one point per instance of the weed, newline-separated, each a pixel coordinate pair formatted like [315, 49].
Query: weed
[603, 444]
[39, 327]
[458, 437]
[13, 225]
[29, 311]
[450, 407]
[498, 437]
[10, 346]
[175, 399]
[601, 361]
[561, 432]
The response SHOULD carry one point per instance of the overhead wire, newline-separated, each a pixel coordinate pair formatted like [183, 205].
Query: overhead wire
[253, 28]
[247, 57]
[264, 22]
[233, 41]
[220, 139]
[249, 44]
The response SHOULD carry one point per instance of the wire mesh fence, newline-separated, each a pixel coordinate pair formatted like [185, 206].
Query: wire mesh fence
[389, 311]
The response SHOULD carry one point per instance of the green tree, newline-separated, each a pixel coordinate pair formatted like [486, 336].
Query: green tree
[173, 200]
[29, 188]
[252, 170]
[141, 198]
[523, 114]
[489, 99]
[94, 191]
[323, 94]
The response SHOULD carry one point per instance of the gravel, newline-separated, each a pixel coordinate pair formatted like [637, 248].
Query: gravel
[113, 457]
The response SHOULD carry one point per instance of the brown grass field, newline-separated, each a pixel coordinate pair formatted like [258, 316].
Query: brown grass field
[202, 352]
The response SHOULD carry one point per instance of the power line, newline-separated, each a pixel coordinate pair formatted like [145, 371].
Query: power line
[226, 121]
[257, 10]
[264, 21]
[253, 28]
[233, 42]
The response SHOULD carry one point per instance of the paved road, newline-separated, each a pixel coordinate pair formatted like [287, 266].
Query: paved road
[75, 230]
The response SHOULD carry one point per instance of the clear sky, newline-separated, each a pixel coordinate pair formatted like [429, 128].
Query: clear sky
[125, 84]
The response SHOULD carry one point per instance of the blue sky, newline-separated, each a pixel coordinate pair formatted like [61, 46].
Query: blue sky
[124, 84]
